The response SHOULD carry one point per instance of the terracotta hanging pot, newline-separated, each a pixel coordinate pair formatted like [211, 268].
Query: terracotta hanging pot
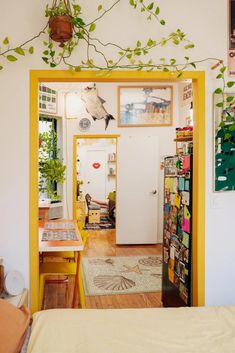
[61, 29]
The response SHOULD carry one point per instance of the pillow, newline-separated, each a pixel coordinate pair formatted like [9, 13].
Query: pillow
[13, 325]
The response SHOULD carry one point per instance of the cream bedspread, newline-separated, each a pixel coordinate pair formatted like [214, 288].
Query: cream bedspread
[181, 330]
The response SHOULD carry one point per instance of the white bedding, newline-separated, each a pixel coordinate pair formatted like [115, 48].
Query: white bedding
[181, 330]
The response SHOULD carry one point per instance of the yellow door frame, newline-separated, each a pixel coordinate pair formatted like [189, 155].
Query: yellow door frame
[75, 139]
[198, 80]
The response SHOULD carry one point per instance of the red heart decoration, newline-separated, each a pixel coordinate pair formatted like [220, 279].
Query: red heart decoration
[96, 165]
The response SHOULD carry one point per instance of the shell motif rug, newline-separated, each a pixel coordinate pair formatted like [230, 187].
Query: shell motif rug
[122, 274]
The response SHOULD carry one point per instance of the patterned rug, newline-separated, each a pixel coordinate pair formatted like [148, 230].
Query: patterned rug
[105, 223]
[122, 274]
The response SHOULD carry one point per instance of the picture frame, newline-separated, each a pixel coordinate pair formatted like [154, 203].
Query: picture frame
[47, 100]
[223, 146]
[142, 106]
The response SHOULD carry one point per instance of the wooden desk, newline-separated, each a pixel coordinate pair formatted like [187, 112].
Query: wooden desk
[62, 245]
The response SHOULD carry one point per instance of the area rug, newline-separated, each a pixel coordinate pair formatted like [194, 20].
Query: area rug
[105, 223]
[122, 274]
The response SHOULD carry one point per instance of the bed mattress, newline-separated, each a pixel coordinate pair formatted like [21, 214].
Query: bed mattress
[173, 330]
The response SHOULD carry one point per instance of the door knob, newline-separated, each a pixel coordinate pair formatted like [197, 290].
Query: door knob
[154, 192]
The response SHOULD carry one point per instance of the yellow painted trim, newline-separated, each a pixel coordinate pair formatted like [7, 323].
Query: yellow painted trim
[198, 78]
[33, 197]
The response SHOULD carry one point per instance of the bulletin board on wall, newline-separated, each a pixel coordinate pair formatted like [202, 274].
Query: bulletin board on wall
[47, 99]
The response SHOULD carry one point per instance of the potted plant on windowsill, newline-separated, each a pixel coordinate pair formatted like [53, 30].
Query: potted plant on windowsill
[60, 21]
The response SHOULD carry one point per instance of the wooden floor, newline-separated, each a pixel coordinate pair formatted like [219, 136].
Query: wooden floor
[102, 243]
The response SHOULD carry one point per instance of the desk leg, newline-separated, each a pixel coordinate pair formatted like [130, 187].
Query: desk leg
[75, 291]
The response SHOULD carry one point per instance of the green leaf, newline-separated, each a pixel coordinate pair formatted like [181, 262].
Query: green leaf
[219, 105]
[1, 67]
[223, 69]
[52, 65]
[100, 7]
[186, 58]
[6, 41]
[132, 2]
[157, 11]
[193, 65]
[150, 42]
[142, 9]
[45, 59]
[138, 44]
[162, 22]
[46, 52]
[31, 50]
[173, 61]
[219, 76]
[11, 58]
[92, 27]
[229, 99]
[149, 18]
[110, 62]
[150, 6]
[77, 68]
[19, 51]
[218, 91]
[179, 74]
[189, 46]
[227, 136]
[232, 127]
[230, 84]
[129, 56]
[120, 52]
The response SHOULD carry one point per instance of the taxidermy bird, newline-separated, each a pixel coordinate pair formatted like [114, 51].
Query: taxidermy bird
[94, 105]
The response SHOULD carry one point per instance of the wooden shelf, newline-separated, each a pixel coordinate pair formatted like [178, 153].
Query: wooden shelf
[183, 139]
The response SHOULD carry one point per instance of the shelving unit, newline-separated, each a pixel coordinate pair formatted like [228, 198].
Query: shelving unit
[181, 143]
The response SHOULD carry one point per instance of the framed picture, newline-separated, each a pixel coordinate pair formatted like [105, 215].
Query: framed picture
[224, 142]
[145, 106]
[47, 100]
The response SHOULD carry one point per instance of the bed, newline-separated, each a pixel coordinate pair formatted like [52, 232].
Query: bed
[172, 330]
[181, 330]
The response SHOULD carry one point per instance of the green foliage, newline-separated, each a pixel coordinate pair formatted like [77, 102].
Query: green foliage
[51, 168]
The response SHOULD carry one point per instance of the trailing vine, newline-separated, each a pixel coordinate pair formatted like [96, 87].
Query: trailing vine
[131, 58]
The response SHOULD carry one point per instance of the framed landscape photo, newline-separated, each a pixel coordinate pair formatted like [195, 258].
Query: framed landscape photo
[145, 106]
[224, 143]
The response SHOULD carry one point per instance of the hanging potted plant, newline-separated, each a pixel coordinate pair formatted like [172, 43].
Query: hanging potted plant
[60, 21]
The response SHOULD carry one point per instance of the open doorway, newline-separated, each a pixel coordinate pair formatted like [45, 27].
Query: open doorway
[95, 181]
[197, 226]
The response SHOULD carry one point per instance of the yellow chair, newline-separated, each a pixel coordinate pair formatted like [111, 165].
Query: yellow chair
[64, 269]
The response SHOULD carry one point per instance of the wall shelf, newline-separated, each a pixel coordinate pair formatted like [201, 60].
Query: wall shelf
[184, 139]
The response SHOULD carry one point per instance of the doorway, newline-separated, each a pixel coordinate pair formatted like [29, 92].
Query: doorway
[95, 181]
[199, 169]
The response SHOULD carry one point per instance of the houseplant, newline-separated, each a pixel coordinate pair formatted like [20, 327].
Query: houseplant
[131, 58]
[51, 168]
[60, 21]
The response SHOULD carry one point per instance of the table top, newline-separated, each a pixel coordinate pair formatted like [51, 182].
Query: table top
[59, 245]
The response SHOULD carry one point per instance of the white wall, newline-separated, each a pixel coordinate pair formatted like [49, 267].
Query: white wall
[108, 92]
[205, 22]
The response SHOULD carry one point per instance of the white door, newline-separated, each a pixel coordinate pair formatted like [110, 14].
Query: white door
[96, 174]
[137, 194]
